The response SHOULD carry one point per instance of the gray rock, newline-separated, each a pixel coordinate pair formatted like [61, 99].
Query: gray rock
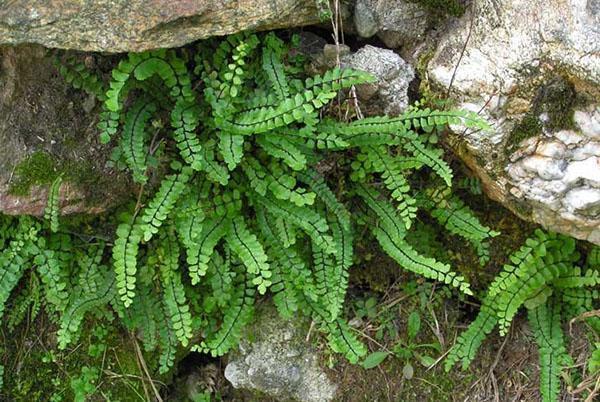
[390, 93]
[279, 362]
[136, 25]
[396, 22]
[44, 126]
[533, 69]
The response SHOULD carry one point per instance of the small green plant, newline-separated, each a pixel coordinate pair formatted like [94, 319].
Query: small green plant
[84, 385]
[543, 277]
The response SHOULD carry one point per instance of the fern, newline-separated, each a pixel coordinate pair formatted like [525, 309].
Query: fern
[237, 179]
[542, 278]
[134, 136]
[545, 322]
[173, 291]
[53, 206]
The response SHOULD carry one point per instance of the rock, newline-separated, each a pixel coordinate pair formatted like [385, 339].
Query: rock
[44, 132]
[390, 93]
[136, 25]
[279, 361]
[401, 23]
[537, 83]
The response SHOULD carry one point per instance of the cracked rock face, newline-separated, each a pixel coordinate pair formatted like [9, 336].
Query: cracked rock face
[560, 175]
[533, 69]
[44, 127]
[279, 362]
[395, 22]
[136, 25]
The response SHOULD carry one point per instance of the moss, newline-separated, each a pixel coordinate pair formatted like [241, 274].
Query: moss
[440, 9]
[41, 168]
[38, 168]
[528, 127]
[556, 98]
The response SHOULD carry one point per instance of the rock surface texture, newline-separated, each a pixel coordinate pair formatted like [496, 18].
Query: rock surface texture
[533, 69]
[395, 22]
[136, 25]
[390, 93]
[279, 362]
[44, 132]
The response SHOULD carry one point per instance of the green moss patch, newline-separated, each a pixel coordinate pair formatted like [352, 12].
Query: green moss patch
[39, 168]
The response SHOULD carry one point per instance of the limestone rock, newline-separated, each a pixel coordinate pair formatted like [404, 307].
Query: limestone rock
[533, 69]
[45, 131]
[390, 93]
[279, 362]
[136, 25]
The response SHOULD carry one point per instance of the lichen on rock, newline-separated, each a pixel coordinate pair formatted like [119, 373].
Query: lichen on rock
[277, 360]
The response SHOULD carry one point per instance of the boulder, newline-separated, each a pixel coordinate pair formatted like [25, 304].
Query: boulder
[402, 23]
[389, 94]
[532, 68]
[45, 131]
[276, 359]
[137, 25]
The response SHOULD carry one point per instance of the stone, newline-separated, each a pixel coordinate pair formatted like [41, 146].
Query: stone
[394, 75]
[396, 22]
[44, 131]
[403, 23]
[137, 25]
[538, 85]
[279, 361]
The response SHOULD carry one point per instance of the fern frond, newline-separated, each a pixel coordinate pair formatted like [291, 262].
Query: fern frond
[53, 206]
[163, 202]
[468, 343]
[318, 185]
[134, 135]
[432, 158]
[239, 313]
[174, 294]
[124, 252]
[273, 67]
[409, 259]
[185, 118]
[545, 323]
[79, 76]
[311, 222]
[79, 304]
[231, 147]
[168, 344]
[396, 182]
[284, 149]
[200, 250]
[246, 246]
[215, 171]
[55, 286]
